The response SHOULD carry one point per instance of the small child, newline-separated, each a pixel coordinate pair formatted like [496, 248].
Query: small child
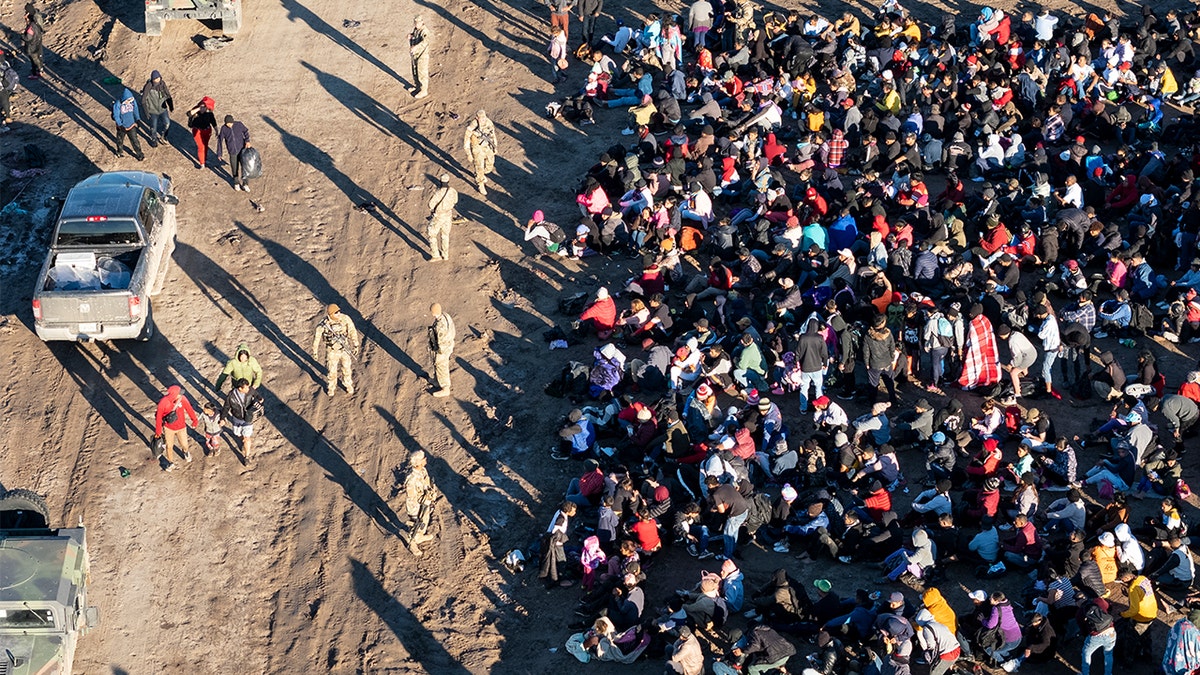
[591, 558]
[211, 420]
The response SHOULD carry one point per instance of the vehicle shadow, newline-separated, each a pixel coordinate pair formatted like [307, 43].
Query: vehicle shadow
[420, 644]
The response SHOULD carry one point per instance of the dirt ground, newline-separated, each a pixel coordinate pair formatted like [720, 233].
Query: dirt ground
[290, 564]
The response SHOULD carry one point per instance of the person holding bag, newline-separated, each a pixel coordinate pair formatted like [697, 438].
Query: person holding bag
[171, 420]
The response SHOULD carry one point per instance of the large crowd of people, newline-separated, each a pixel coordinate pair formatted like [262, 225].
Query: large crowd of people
[836, 221]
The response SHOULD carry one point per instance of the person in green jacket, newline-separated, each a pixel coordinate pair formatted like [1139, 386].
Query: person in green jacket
[750, 368]
[242, 366]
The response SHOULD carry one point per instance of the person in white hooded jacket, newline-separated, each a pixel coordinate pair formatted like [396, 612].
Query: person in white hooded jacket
[1130, 557]
[939, 644]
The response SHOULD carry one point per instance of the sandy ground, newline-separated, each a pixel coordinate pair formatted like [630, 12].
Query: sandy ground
[290, 564]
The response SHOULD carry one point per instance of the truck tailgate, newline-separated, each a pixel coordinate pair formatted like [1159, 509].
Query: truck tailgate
[85, 308]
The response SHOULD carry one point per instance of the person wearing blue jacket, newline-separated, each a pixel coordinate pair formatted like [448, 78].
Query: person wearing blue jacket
[125, 114]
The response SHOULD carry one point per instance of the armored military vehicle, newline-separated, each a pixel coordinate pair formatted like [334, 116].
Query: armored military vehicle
[43, 589]
[228, 12]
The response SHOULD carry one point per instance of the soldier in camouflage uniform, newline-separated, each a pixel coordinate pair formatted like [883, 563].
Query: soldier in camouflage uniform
[337, 332]
[480, 143]
[418, 50]
[419, 496]
[441, 217]
[441, 343]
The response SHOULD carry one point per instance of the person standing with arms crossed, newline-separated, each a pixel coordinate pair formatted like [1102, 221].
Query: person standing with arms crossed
[441, 343]
[171, 423]
[480, 143]
[441, 217]
[235, 137]
[418, 50]
[337, 332]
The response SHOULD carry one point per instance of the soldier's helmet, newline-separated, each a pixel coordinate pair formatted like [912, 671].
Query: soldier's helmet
[417, 458]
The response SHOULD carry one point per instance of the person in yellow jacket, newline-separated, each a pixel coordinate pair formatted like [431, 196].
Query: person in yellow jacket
[243, 366]
[1105, 556]
[1143, 605]
[941, 610]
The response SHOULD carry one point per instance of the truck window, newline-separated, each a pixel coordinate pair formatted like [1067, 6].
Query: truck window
[151, 211]
[26, 618]
[95, 232]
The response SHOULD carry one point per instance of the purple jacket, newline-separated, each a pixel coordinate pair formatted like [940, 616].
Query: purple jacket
[1003, 615]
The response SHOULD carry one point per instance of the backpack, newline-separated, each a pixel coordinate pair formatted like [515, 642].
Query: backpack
[573, 305]
[1141, 319]
[1097, 620]
[945, 333]
[10, 80]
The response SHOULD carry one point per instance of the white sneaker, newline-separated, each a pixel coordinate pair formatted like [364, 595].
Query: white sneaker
[1011, 665]
[1171, 336]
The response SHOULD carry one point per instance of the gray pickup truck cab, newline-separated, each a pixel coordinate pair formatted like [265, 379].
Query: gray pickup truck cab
[43, 589]
[109, 253]
[228, 12]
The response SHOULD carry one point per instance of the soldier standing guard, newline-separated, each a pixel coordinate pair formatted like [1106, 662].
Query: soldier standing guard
[441, 343]
[480, 143]
[418, 50]
[419, 496]
[337, 331]
[441, 217]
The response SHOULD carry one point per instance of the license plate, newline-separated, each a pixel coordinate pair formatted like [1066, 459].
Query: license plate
[89, 328]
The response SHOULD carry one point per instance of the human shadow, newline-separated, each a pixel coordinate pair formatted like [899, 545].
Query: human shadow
[221, 287]
[298, 12]
[320, 160]
[490, 463]
[420, 644]
[482, 37]
[306, 274]
[314, 444]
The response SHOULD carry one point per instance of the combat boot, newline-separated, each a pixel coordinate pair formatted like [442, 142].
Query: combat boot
[422, 537]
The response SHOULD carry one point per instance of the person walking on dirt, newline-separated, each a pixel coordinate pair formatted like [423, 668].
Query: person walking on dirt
[157, 105]
[31, 39]
[126, 114]
[243, 366]
[480, 143]
[336, 331]
[418, 50]
[560, 14]
[441, 217]
[235, 137]
[242, 407]
[441, 343]
[589, 13]
[203, 123]
[171, 420]
[419, 497]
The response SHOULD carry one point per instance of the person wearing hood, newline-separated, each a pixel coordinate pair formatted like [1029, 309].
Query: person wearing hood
[1109, 382]
[243, 366]
[762, 651]
[708, 112]
[1040, 644]
[157, 106]
[600, 315]
[914, 562]
[879, 356]
[125, 114]
[171, 419]
[981, 355]
[937, 641]
[203, 122]
[781, 600]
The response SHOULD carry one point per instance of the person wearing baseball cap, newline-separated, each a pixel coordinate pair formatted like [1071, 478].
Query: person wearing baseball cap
[828, 417]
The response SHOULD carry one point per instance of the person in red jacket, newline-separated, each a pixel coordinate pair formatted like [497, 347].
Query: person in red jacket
[986, 462]
[172, 418]
[878, 502]
[601, 315]
[995, 237]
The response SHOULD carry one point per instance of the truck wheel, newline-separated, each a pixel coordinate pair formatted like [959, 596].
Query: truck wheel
[154, 25]
[148, 327]
[23, 509]
[233, 24]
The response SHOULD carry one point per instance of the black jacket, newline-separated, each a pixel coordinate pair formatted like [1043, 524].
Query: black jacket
[764, 645]
[811, 350]
[243, 409]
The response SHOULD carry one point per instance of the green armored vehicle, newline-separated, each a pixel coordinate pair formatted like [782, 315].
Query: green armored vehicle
[43, 589]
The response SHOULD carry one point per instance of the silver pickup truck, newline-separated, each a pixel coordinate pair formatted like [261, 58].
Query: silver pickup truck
[109, 253]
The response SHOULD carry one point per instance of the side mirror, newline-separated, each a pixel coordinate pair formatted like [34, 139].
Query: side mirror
[170, 199]
[92, 616]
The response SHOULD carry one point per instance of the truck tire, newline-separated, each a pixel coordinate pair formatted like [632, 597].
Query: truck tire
[154, 25]
[233, 24]
[23, 509]
[148, 327]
